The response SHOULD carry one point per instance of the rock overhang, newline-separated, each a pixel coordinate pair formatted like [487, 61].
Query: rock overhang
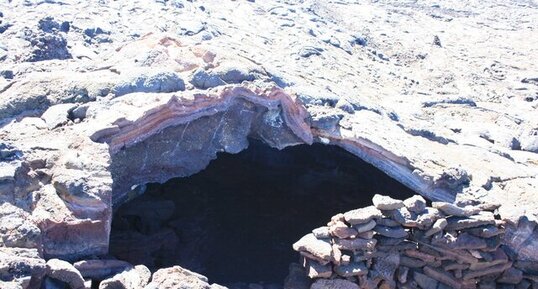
[112, 127]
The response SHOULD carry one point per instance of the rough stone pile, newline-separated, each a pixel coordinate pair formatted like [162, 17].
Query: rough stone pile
[406, 244]
[23, 268]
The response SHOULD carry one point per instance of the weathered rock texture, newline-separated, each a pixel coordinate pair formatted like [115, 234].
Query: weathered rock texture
[393, 245]
[442, 97]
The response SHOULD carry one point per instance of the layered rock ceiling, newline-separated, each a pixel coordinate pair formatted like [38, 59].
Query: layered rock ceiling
[99, 97]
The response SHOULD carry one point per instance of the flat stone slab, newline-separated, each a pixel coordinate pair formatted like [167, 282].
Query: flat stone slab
[386, 203]
[362, 215]
[459, 223]
[334, 284]
[314, 246]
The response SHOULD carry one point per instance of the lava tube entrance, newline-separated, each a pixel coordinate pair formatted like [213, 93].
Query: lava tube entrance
[236, 220]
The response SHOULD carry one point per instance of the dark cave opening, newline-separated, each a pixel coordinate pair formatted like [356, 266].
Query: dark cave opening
[236, 220]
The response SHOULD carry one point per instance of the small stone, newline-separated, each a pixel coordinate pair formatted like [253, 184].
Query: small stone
[529, 267]
[427, 218]
[366, 235]
[65, 272]
[368, 283]
[438, 226]
[488, 206]
[341, 230]
[387, 222]
[318, 248]
[356, 244]
[385, 266]
[129, 278]
[453, 210]
[452, 265]
[363, 215]
[345, 106]
[57, 115]
[8, 170]
[487, 284]
[405, 245]
[361, 228]
[511, 276]
[337, 255]
[437, 41]
[386, 203]
[334, 284]
[404, 217]
[487, 271]
[402, 273]
[411, 262]
[345, 259]
[415, 204]
[387, 284]
[79, 112]
[443, 277]
[172, 276]
[486, 231]
[149, 81]
[424, 281]
[337, 217]
[100, 269]
[316, 270]
[321, 232]
[352, 269]
[420, 255]
[464, 241]
[386, 241]
[524, 284]
[391, 232]
[460, 223]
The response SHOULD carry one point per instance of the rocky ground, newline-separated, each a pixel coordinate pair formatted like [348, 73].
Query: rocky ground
[97, 97]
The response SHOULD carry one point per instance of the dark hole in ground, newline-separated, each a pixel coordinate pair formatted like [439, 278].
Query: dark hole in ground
[236, 220]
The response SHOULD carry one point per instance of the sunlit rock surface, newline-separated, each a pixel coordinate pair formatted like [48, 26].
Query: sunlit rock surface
[440, 96]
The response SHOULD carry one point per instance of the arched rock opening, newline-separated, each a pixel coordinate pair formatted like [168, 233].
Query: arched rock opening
[235, 221]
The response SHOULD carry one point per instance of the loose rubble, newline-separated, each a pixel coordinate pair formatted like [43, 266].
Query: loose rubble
[405, 244]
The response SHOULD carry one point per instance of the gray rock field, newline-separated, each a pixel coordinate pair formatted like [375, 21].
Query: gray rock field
[98, 98]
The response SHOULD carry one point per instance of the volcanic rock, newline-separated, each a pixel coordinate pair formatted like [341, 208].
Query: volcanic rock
[365, 227]
[450, 209]
[131, 278]
[19, 265]
[363, 215]
[334, 284]
[316, 270]
[100, 269]
[321, 232]
[391, 232]
[352, 269]
[459, 223]
[179, 278]
[415, 204]
[65, 272]
[318, 248]
[386, 203]
[438, 226]
[511, 276]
